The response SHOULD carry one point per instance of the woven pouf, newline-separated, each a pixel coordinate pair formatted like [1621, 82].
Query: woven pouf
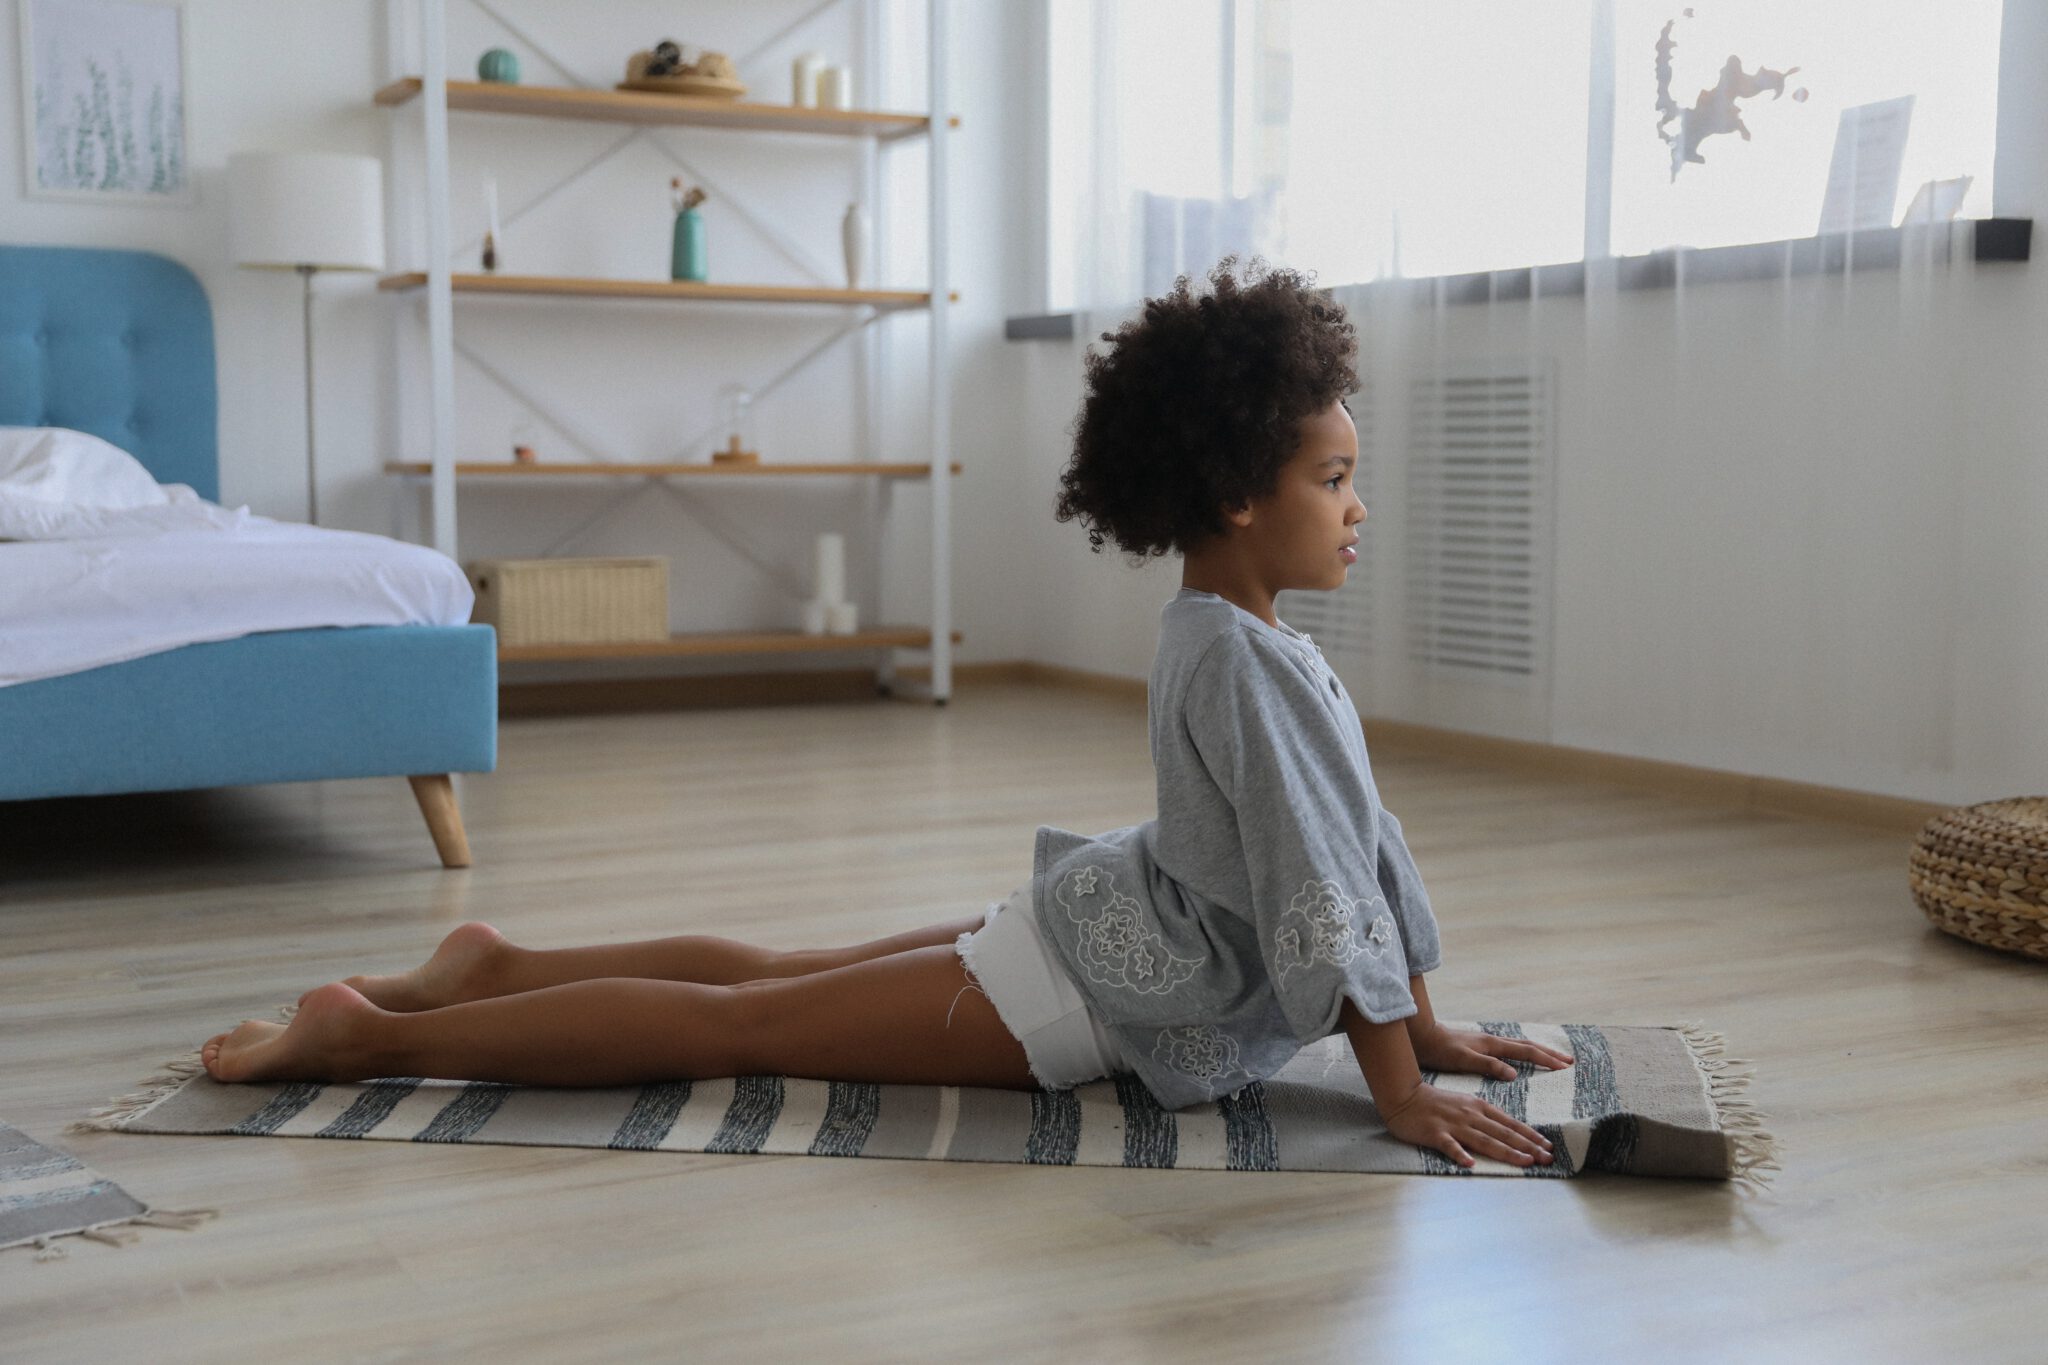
[1981, 873]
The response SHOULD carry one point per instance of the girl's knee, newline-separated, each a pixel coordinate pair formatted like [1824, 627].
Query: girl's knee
[750, 1022]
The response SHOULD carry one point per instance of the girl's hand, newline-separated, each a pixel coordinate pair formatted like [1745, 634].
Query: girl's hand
[1479, 1054]
[1459, 1125]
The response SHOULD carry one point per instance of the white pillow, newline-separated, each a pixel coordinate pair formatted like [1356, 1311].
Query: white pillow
[59, 465]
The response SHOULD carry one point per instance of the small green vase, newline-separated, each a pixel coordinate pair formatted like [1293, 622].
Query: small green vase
[498, 65]
[686, 255]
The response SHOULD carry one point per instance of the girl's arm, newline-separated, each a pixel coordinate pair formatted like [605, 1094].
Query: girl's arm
[1456, 1125]
[1424, 1018]
[1482, 1054]
[1401, 884]
[1385, 1055]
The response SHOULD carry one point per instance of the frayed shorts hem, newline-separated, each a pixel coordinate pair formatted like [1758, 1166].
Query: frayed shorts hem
[1065, 1045]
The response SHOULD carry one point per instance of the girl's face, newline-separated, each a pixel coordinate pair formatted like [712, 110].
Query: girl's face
[1304, 533]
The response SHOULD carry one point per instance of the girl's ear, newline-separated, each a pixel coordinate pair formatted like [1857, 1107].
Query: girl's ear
[1238, 516]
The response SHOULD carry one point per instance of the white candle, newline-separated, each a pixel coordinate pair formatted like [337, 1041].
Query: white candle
[803, 74]
[831, 568]
[835, 88]
[491, 205]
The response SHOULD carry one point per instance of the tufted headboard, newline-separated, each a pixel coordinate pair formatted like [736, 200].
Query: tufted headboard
[117, 343]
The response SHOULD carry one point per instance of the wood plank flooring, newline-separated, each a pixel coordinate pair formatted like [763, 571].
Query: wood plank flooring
[1903, 1071]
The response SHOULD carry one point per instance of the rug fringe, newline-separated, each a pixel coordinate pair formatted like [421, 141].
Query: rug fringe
[122, 1232]
[122, 1110]
[1753, 1149]
[171, 1077]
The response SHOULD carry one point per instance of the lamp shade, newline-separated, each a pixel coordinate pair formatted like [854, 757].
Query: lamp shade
[319, 209]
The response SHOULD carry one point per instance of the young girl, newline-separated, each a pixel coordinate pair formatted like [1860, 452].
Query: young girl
[1271, 903]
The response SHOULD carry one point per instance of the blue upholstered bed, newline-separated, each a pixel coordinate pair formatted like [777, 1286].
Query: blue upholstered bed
[120, 344]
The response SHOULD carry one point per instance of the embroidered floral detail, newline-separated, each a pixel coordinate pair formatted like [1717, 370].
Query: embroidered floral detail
[1116, 947]
[1330, 919]
[1200, 1050]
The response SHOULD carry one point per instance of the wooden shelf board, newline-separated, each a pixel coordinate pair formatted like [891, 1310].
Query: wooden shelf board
[648, 107]
[663, 289]
[491, 469]
[735, 642]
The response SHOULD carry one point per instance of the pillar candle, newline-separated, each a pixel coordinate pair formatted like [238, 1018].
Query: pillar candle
[835, 87]
[831, 568]
[803, 75]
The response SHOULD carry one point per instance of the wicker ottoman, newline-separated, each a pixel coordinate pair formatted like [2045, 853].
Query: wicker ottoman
[1981, 873]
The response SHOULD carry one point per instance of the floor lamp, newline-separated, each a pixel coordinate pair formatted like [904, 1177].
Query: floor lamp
[307, 211]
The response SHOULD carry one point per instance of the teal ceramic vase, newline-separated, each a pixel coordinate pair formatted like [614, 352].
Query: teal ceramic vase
[498, 65]
[686, 256]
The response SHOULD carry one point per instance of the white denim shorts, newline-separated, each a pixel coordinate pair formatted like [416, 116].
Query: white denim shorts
[1064, 1042]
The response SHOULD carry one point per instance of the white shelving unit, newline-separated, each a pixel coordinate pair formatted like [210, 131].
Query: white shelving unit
[428, 90]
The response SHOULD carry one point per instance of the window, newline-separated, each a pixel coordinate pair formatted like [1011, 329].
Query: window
[1433, 139]
[1881, 99]
[1368, 138]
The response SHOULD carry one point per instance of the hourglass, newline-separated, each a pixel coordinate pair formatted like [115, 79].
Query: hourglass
[738, 403]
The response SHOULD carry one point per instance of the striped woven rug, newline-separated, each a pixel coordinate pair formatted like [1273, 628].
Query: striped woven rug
[46, 1194]
[1641, 1101]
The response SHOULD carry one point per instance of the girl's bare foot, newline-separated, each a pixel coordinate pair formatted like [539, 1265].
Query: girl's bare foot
[464, 968]
[323, 1042]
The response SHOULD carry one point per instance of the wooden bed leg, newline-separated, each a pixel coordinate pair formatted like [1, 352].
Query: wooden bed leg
[436, 795]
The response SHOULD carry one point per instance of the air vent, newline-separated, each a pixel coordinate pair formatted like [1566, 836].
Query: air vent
[1477, 521]
[1341, 621]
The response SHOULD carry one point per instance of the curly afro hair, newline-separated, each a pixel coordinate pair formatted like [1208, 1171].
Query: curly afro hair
[1197, 406]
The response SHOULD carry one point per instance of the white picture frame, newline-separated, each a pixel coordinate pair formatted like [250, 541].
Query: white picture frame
[103, 101]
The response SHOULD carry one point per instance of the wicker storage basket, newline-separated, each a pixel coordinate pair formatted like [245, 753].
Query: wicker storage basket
[572, 601]
[1981, 873]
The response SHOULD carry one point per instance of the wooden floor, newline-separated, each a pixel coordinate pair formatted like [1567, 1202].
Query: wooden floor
[1904, 1072]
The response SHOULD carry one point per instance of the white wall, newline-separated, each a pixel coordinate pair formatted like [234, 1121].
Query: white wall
[633, 379]
[1797, 527]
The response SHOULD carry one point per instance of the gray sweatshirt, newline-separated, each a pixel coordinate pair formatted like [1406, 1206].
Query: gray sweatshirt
[1217, 939]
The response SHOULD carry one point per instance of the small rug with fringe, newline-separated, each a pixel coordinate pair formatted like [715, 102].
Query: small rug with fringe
[1638, 1101]
[46, 1194]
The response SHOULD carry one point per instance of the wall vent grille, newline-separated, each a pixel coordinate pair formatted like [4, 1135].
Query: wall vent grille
[1477, 521]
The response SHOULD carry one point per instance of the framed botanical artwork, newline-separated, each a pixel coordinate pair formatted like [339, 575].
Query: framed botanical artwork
[103, 101]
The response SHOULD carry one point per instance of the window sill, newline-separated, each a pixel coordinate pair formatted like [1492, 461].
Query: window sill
[1984, 239]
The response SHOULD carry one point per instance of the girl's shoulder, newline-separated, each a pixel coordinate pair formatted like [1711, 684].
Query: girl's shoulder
[1190, 628]
[1209, 644]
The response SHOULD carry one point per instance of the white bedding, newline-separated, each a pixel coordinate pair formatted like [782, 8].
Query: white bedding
[83, 586]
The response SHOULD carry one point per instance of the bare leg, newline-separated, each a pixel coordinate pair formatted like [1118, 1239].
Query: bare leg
[476, 962]
[910, 1017]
